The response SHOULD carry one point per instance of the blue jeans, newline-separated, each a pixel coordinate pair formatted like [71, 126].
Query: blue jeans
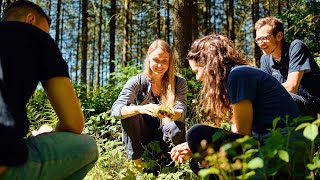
[58, 155]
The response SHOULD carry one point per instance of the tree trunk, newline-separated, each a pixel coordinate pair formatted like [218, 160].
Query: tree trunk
[58, 22]
[206, 17]
[214, 17]
[61, 30]
[125, 33]
[112, 26]
[183, 33]
[168, 22]
[78, 45]
[84, 41]
[289, 19]
[279, 6]
[99, 45]
[49, 8]
[195, 31]
[255, 18]
[158, 20]
[230, 20]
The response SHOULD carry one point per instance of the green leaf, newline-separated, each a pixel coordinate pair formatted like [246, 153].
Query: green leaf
[275, 122]
[255, 163]
[311, 132]
[283, 155]
[311, 166]
[302, 125]
[316, 122]
[204, 172]
[246, 176]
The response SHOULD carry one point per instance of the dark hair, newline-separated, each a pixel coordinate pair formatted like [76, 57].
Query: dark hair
[275, 23]
[217, 54]
[21, 8]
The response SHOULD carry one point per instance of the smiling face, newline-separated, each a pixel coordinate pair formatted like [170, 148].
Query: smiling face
[159, 61]
[197, 69]
[267, 41]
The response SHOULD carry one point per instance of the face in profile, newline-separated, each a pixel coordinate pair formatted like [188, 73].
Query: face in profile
[197, 69]
[159, 61]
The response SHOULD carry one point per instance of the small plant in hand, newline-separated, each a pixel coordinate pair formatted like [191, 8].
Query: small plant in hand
[163, 110]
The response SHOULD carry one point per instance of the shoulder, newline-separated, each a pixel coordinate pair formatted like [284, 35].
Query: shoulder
[297, 45]
[24, 30]
[244, 73]
[138, 79]
[243, 70]
[180, 81]
[180, 78]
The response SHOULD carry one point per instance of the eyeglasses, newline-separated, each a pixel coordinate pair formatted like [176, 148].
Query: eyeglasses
[262, 39]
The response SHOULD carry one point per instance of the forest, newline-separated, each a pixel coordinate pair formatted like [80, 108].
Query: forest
[105, 43]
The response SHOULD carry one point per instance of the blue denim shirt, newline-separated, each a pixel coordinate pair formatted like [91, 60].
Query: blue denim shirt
[137, 91]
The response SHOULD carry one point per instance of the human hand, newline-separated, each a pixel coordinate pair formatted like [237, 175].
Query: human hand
[164, 111]
[43, 129]
[148, 109]
[3, 169]
[181, 153]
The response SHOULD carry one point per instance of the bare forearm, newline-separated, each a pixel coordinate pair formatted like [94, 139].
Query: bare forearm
[74, 128]
[176, 115]
[128, 111]
[291, 89]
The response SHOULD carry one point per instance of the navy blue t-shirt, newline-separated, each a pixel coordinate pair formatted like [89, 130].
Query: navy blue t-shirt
[28, 56]
[295, 57]
[269, 98]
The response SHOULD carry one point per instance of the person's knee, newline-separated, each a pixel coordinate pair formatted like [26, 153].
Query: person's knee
[194, 131]
[175, 132]
[90, 147]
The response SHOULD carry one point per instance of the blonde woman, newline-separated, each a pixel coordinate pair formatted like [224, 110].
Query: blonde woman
[142, 96]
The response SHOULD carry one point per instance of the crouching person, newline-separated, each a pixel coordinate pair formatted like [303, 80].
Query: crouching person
[152, 104]
[28, 56]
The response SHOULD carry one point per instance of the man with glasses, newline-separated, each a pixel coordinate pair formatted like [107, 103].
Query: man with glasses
[291, 64]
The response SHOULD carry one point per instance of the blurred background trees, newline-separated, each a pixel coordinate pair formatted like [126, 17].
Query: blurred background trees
[97, 35]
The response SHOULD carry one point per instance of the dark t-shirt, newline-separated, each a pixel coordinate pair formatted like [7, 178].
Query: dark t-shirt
[269, 98]
[295, 57]
[28, 56]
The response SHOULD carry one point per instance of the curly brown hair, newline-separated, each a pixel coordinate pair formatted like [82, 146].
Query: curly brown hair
[217, 54]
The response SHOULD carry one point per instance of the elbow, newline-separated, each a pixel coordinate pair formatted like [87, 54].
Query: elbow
[292, 89]
[78, 129]
[75, 126]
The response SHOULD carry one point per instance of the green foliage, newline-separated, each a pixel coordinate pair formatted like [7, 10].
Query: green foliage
[318, 60]
[304, 23]
[98, 100]
[103, 126]
[286, 153]
[194, 114]
[40, 111]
